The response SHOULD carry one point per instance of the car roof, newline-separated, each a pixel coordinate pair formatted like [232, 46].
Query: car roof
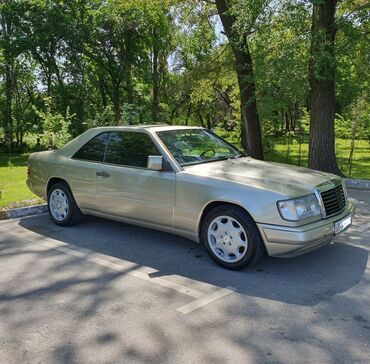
[70, 148]
[153, 127]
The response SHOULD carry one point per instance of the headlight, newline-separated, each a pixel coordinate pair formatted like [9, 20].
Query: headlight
[300, 208]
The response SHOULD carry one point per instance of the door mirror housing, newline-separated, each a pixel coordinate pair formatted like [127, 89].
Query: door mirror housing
[155, 162]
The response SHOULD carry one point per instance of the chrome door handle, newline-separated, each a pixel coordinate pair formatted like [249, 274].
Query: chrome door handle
[103, 174]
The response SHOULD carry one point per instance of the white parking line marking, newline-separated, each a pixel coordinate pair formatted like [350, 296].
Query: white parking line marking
[205, 300]
[177, 287]
[116, 264]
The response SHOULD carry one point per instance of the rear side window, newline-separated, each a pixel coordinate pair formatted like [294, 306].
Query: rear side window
[94, 149]
[130, 149]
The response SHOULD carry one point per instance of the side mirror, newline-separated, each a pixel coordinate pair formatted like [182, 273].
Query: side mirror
[155, 162]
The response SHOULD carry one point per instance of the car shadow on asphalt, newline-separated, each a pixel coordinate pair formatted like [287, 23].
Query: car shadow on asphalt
[305, 280]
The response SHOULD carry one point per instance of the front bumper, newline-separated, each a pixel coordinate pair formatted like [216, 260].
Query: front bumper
[281, 241]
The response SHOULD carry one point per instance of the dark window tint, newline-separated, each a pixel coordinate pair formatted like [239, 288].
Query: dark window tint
[94, 149]
[130, 149]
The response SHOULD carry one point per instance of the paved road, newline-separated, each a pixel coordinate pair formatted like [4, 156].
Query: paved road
[105, 292]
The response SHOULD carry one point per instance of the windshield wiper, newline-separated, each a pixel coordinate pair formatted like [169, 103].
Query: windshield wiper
[225, 158]
[236, 156]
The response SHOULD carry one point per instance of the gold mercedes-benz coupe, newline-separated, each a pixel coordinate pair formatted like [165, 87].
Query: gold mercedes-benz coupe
[189, 181]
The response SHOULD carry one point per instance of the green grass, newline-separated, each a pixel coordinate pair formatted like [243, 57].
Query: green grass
[287, 151]
[13, 175]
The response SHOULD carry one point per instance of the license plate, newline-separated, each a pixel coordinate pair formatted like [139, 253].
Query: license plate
[342, 224]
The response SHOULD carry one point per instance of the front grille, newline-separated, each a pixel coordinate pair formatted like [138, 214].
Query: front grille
[334, 200]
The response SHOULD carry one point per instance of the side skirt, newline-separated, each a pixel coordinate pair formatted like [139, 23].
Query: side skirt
[185, 234]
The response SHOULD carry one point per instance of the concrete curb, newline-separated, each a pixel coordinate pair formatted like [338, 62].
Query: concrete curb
[357, 184]
[23, 212]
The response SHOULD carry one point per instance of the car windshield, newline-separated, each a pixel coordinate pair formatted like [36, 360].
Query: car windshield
[194, 146]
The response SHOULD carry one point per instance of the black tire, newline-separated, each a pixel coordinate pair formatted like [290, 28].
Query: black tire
[255, 247]
[74, 214]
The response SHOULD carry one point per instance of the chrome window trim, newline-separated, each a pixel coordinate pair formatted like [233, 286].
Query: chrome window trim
[135, 167]
[163, 149]
[132, 132]
[90, 160]
[181, 167]
[152, 136]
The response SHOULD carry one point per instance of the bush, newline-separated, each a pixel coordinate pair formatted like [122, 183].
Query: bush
[55, 127]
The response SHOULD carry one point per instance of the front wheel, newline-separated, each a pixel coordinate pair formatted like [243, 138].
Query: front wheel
[63, 209]
[231, 237]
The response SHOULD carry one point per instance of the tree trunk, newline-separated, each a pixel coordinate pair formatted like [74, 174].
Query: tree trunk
[7, 113]
[129, 85]
[155, 78]
[188, 114]
[287, 125]
[245, 75]
[209, 122]
[8, 61]
[21, 135]
[103, 93]
[201, 119]
[116, 100]
[322, 70]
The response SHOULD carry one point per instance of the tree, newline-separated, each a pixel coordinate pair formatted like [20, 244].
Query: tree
[322, 69]
[141, 61]
[246, 82]
[280, 50]
[202, 75]
[54, 125]
[160, 48]
[7, 33]
[124, 42]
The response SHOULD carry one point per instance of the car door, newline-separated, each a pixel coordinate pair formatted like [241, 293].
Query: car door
[81, 171]
[125, 187]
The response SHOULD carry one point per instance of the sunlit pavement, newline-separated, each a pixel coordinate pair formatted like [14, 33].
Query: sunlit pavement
[105, 292]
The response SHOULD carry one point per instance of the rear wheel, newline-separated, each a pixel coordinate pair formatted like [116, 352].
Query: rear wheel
[63, 209]
[231, 237]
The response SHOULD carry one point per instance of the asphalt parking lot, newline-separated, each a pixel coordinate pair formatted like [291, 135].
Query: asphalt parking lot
[104, 292]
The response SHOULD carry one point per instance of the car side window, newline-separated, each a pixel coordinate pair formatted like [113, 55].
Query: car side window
[94, 149]
[130, 149]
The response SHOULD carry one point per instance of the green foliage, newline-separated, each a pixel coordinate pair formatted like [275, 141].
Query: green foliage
[54, 125]
[352, 53]
[119, 62]
[104, 118]
[357, 125]
[249, 15]
[280, 51]
[130, 115]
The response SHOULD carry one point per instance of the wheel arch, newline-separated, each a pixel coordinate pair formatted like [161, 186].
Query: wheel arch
[213, 204]
[74, 214]
[52, 181]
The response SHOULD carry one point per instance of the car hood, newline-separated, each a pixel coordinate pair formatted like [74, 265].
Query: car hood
[291, 181]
